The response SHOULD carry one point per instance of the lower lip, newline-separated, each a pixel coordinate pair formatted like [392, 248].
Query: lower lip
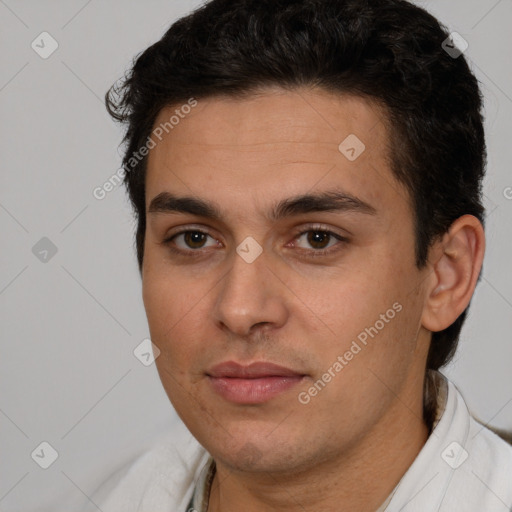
[252, 391]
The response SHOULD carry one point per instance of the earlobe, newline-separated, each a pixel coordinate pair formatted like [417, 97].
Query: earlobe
[456, 263]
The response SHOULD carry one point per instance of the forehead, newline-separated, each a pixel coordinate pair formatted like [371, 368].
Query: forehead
[273, 142]
[275, 114]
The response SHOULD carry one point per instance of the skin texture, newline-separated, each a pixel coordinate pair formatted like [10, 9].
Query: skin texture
[348, 447]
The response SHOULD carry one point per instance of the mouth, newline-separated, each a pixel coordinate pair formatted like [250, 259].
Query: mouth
[253, 384]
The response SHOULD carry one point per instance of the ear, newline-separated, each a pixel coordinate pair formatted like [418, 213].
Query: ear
[455, 262]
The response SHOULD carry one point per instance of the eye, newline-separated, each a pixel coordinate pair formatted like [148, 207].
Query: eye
[321, 240]
[318, 242]
[191, 239]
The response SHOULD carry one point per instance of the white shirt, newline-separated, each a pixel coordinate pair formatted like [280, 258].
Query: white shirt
[463, 467]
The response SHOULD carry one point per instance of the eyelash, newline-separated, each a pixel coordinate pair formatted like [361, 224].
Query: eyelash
[195, 253]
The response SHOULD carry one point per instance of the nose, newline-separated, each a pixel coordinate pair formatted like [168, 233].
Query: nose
[249, 295]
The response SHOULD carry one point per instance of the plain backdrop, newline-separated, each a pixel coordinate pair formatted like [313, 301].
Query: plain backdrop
[70, 292]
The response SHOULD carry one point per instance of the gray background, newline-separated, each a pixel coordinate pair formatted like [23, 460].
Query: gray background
[69, 325]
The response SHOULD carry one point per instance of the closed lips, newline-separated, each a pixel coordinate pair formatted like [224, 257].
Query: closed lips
[257, 370]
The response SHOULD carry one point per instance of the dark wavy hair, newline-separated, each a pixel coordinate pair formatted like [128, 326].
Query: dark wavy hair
[388, 50]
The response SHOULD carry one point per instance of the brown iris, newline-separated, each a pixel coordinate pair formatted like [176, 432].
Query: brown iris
[194, 239]
[318, 237]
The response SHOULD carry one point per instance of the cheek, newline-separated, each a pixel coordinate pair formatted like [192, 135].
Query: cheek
[179, 308]
[374, 309]
[169, 294]
[170, 311]
[346, 302]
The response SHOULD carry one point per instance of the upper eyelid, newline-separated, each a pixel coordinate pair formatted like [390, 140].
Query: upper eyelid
[317, 227]
[302, 229]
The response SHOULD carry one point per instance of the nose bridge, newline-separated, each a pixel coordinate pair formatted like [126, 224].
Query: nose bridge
[248, 294]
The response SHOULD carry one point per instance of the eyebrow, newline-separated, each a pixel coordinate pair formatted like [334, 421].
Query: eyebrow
[327, 201]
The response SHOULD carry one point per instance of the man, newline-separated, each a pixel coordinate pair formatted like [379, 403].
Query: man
[306, 177]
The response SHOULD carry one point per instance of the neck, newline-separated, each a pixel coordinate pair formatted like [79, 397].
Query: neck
[357, 480]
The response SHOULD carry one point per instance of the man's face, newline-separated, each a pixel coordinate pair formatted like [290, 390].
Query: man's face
[334, 295]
